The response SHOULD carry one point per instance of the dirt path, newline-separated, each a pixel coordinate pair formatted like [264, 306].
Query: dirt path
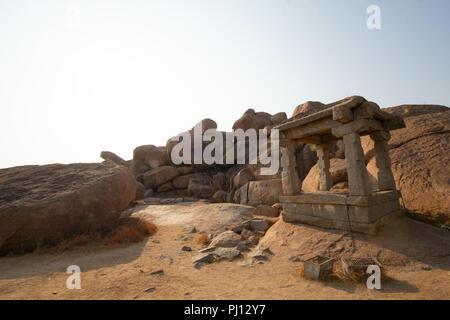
[125, 273]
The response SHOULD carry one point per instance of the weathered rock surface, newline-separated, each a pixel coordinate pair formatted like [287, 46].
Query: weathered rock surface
[264, 210]
[200, 186]
[242, 177]
[264, 192]
[108, 155]
[411, 110]
[151, 155]
[420, 157]
[227, 239]
[252, 119]
[46, 204]
[227, 253]
[159, 176]
[182, 182]
[219, 196]
[140, 191]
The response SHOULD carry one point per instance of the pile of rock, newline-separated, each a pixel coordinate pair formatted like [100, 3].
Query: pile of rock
[237, 242]
[158, 177]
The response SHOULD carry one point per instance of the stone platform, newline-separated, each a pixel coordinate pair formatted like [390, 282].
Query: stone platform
[364, 214]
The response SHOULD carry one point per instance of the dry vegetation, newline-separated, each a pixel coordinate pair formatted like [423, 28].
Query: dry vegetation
[129, 230]
[203, 240]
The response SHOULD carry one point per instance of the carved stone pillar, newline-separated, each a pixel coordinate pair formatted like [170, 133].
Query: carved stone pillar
[289, 177]
[325, 180]
[383, 161]
[358, 179]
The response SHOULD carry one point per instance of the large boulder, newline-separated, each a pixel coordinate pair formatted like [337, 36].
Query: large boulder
[306, 158]
[140, 191]
[242, 177]
[158, 176]
[151, 156]
[42, 205]
[253, 120]
[108, 155]
[182, 182]
[420, 157]
[307, 108]
[202, 126]
[200, 186]
[338, 171]
[264, 192]
[411, 110]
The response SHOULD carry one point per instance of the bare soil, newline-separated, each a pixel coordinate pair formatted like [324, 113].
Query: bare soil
[415, 271]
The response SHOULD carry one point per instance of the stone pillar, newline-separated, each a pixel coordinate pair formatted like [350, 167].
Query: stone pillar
[325, 181]
[289, 175]
[383, 161]
[358, 179]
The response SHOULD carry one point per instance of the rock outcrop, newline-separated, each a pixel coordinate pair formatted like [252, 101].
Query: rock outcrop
[420, 157]
[42, 205]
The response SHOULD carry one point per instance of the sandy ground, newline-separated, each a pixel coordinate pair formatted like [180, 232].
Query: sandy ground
[125, 273]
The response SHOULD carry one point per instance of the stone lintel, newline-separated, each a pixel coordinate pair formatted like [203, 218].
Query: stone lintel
[320, 127]
[361, 125]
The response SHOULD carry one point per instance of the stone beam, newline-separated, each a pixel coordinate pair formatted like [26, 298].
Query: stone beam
[361, 125]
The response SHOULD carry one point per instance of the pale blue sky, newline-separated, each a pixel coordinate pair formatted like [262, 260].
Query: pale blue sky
[139, 72]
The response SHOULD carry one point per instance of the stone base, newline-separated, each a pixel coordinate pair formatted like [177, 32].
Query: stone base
[364, 214]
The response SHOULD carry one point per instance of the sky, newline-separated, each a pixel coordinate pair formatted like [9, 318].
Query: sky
[80, 77]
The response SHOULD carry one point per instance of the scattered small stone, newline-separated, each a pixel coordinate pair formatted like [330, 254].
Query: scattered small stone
[260, 262]
[243, 248]
[157, 272]
[190, 230]
[427, 268]
[227, 239]
[246, 263]
[186, 248]
[227, 253]
[155, 241]
[150, 289]
[245, 234]
[166, 257]
[295, 259]
[209, 249]
[203, 258]
[187, 293]
[186, 238]
[257, 254]
[54, 292]
[240, 226]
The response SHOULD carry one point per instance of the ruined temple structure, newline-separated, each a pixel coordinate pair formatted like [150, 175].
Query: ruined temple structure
[361, 209]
